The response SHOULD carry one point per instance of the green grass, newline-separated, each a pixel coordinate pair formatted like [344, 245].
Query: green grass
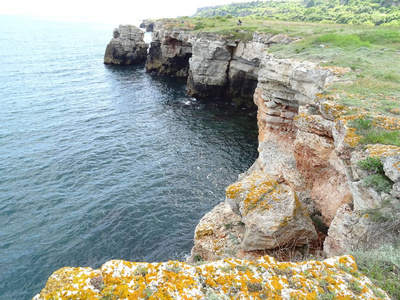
[381, 37]
[382, 266]
[381, 136]
[339, 40]
[371, 134]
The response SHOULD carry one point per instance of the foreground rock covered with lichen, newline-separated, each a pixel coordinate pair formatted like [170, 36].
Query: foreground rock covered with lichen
[224, 279]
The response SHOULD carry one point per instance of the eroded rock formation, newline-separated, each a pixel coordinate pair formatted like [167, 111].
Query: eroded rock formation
[307, 145]
[217, 68]
[169, 53]
[126, 47]
[311, 174]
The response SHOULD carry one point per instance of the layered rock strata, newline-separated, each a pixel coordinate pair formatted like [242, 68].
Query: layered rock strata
[216, 67]
[169, 54]
[126, 47]
[264, 278]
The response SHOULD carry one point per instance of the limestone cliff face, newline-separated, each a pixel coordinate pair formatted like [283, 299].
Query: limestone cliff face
[307, 150]
[225, 68]
[169, 53]
[126, 47]
[216, 67]
[295, 143]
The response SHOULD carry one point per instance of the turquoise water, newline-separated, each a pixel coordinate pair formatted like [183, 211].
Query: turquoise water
[101, 162]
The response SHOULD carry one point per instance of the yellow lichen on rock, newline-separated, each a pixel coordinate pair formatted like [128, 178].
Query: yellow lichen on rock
[223, 279]
[379, 150]
[335, 70]
[258, 191]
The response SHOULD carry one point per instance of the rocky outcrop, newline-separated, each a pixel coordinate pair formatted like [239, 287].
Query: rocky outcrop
[224, 279]
[169, 54]
[126, 47]
[217, 68]
[227, 68]
[373, 217]
[309, 150]
[271, 212]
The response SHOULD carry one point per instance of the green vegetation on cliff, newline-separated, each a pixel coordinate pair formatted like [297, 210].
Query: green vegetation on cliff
[382, 266]
[373, 12]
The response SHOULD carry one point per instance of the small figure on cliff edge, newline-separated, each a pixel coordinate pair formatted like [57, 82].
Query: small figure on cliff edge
[239, 23]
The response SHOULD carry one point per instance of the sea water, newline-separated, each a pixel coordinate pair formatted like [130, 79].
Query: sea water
[100, 162]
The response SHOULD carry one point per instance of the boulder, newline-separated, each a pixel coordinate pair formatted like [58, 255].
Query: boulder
[218, 235]
[127, 46]
[271, 212]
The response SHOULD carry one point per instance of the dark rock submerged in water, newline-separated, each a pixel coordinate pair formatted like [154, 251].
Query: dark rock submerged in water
[126, 47]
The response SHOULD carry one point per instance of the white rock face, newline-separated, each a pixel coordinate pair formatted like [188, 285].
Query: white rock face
[208, 66]
[218, 235]
[126, 47]
[351, 230]
[391, 166]
[289, 82]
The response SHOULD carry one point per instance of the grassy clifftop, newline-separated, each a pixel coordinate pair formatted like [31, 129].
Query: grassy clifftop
[375, 12]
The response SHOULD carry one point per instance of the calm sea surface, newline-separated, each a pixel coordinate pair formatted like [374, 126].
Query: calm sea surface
[100, 162]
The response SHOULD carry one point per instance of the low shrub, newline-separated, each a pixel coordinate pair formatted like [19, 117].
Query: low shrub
[378, 182]
[372, 164]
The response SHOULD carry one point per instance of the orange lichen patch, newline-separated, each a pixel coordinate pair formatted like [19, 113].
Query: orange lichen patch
[307, 120]
[335, 70]
[233, 190]
[70, 283]
[387, 122]
[395, 111]
[379, 150]
[351, 137]
[326, 97]
[335, 110]
[226, 279]
[204, 232]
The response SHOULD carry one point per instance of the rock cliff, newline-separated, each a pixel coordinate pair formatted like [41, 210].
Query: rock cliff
[216, 67]
[126, 47]
[169, 54]
[307, 182]
[308, 152]
[264, 278]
